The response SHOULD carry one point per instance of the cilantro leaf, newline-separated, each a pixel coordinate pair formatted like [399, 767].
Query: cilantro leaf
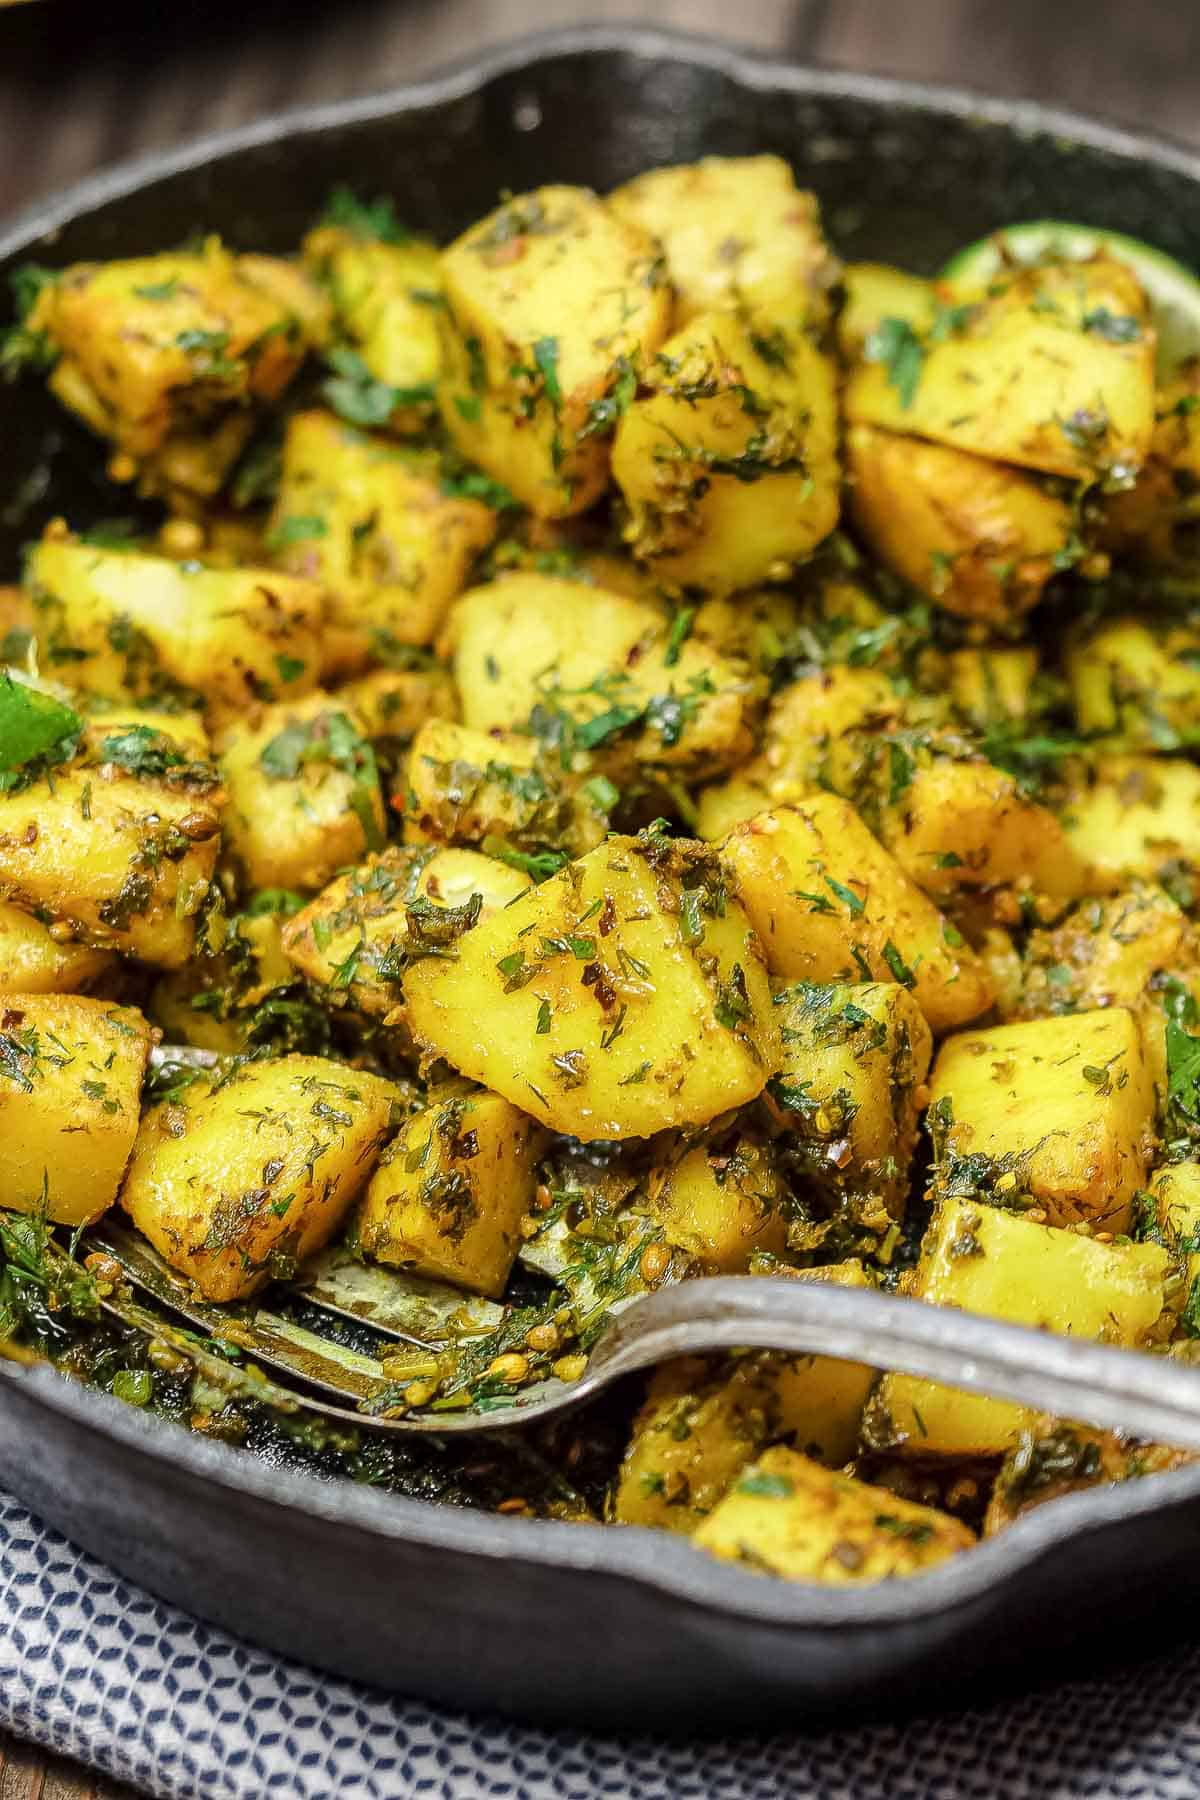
[367, 219]
[896, 345]
[34, 729]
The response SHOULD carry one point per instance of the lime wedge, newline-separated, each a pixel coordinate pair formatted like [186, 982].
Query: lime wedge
[1173, 291]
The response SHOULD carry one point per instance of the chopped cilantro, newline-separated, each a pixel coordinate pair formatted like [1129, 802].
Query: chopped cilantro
[896, 345]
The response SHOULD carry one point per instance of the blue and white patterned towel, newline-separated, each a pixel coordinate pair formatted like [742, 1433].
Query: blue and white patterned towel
[96, 1669]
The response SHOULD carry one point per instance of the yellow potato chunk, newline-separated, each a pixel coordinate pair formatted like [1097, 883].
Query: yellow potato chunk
[610, 667]
[449, 1194]
[473, 787]
[149, 629]
[876, 291]
[239, 1179]
[1137, 816]
[119, 860]
[1175, 1203]
[1053, 1458]
[977, 537]
[728, 463]
[1059, 1111]
[33, 962]
[1113, 952]
[847, 1096]
[1030, 371]
[967, 824]
[303, 791]
[151, 345]
[356, 936]
[1138, 683]
[830, 905]
[622, 997]
[991, 686]
[70, 1088]
[391, 705]
[704, 1419]
[812, 741]
[212, 1002]
[790, 1516]
[553, 305]
[362, 517]
[996, 1263]
[721, 1203]
[736, 232]
[385, 298]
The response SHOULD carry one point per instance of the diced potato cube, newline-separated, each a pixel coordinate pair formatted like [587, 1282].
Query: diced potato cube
[366, 520]
[875, 292]
[992, 686]
[817, 1401]
[150, 629]
[790, 1516]
[721, 1203]
[703, 1420]
[981, 539]
[468, 787]
[811, 742]
[553, 305]
[385, 299]
[1024, 372]
[728, 463]
[1175, 1191]
[1055, 1113]
[391, 705]
[623, 997]
[1053, 1458]
[737, 233]
[1137, 816]
[150, 345]
[240, 1178]
[996, 1263]
[967, 824]
[609, 668]
[122, 860]
[212, 1002]
[830, 905]
[449, 1194]
[34, 962]
[357, 934]
[848, 1091]
[1113, 952]
[696, 1430]
[304, 795]
[70, 1089]
[1138, 683]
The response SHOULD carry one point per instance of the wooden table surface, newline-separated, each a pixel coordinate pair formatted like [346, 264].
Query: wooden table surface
[65, 109]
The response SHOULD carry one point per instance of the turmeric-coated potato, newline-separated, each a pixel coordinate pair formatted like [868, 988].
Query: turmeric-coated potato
[623, 996]
[613, 674]
[449, 1194]
[979, 538]
[728, 463]
[363, 517]
[553, 306]
[34, 962]
[70, 1088]
[984, 1260]
[1050, 367]
[736, 232]
[830, 905]
[385, 292]
[1055, 1114]
[150, 629]
[303, 791]
[788, 1515]
[240, 1178]
[151, 345]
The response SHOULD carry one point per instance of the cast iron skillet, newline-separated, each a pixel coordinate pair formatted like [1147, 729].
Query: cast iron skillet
[601, 1626]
